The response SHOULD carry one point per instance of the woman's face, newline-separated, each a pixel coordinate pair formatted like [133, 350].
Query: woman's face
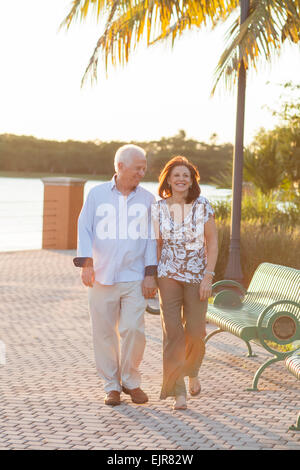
[180, 179]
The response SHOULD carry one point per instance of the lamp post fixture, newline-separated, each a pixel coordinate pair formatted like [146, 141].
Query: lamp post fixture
[233, 268]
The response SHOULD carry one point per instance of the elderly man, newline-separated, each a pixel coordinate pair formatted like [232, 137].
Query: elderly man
[118, 259]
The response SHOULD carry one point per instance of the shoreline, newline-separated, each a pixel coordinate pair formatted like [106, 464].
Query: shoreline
[89, 177]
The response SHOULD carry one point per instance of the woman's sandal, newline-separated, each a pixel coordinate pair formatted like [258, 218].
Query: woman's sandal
[196, 392]
[180, 403]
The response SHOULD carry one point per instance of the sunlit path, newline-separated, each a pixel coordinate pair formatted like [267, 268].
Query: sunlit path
[51, 397]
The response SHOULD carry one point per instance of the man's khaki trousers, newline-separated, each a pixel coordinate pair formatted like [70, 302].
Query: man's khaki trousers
[117, 316]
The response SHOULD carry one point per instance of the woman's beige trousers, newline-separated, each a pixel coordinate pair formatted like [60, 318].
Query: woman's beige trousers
[183, 317]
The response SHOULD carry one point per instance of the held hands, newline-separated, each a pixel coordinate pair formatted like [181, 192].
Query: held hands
[149, 287]
[88, 276]
[205, 289]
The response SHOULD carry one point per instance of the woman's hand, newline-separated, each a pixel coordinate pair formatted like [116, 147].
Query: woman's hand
[205, 289]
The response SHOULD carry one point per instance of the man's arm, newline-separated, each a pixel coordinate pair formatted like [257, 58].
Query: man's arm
[84, 257]
[151, 270]
[149, 286]
[82, 262]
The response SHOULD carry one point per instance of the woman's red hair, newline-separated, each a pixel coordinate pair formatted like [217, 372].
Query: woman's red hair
[164, 189]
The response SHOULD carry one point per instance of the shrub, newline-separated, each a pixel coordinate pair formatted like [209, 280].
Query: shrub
[272, 209]
[259, 243]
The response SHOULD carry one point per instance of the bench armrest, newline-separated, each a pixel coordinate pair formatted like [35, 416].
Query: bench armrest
[230, 283]
[228, 298]
[282, 326]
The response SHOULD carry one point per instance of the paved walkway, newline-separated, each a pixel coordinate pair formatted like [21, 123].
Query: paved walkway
[51, 397]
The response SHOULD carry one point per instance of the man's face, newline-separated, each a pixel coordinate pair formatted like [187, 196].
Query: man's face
[134, 170]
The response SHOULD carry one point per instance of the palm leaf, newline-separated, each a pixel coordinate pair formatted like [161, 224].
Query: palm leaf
[129, 22]
[268, 24]
[80, 9]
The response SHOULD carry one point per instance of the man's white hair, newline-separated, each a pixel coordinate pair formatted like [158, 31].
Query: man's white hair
[125, 153]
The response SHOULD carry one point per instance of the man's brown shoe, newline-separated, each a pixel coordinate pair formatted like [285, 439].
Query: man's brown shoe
[112, 398]
[137, 395]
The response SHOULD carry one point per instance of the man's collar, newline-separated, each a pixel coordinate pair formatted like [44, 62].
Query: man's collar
[113, 182]
[114, 185]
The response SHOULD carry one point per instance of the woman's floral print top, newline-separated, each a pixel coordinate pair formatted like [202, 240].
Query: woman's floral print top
[183, 254]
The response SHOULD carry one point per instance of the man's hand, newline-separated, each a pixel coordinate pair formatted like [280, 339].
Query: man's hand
[205, 290]
[149, 287]
[88, 276]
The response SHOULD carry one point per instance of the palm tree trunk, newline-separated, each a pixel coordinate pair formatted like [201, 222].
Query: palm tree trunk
[233, 268]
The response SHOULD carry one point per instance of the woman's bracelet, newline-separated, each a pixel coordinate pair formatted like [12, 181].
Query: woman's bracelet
[212, 273]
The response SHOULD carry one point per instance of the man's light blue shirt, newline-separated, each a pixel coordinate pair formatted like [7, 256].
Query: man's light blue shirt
[115, 231]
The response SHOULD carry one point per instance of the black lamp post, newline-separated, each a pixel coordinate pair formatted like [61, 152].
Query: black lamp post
[233, 268]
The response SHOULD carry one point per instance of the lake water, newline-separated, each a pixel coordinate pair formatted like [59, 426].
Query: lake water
[21, 210]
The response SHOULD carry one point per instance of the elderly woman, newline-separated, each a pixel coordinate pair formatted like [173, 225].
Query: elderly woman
[187, 252]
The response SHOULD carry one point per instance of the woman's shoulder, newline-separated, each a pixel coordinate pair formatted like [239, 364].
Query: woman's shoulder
[202, 200]
[159, 203]
[156, 207]
[206, 207]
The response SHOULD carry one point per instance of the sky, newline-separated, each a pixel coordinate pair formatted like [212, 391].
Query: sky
[160, 91]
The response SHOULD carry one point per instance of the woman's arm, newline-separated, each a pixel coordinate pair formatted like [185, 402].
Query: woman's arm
[155, 218]
[211, 238]
[158, 248]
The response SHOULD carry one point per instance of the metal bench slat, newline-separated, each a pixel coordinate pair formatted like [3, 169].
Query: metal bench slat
[293, 364]
[269, 315]
[270, 283]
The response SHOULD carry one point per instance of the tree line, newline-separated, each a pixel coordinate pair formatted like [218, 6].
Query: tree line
[27, 154]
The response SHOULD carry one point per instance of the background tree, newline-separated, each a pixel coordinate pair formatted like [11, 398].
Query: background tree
[272, 160]
[261, 163]
[28, 154]
[288, 133]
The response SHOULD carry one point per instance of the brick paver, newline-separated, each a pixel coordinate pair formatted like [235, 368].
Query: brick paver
[51, 397]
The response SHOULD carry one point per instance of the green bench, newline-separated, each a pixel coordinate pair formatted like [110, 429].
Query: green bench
[293, 365]
[268, 313]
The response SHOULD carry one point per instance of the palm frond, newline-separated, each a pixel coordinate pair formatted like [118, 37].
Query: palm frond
[198, 14]
[125, 28]
[291, 28]
[260, 35]
[81, 8]
[129, 22]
